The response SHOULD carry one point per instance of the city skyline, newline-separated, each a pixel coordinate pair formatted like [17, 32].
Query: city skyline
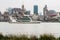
[41, 3]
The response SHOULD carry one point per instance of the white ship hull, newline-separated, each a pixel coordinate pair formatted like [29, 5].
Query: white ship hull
[33, 22]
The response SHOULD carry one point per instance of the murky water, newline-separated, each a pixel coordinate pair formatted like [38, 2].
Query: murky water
[29, 29]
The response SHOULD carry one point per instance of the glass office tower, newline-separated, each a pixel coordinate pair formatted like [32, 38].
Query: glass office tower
[36, 9]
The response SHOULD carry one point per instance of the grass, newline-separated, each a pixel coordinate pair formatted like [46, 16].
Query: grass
[25, 37]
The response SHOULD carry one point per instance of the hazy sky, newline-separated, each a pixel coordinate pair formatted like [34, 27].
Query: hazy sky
[52, 4]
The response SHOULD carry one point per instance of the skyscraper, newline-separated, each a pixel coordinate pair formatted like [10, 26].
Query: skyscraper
[45, 12]
[36, 9]
[23, 7]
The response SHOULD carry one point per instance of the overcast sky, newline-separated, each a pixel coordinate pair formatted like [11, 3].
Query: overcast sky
[52, 4]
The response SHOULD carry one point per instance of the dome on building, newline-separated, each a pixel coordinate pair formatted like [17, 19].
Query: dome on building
[52, 12]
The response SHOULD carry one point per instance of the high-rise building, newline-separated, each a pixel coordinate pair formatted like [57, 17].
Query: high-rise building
[10, 10]
[23, 7]
[36, 9]
[45, 12]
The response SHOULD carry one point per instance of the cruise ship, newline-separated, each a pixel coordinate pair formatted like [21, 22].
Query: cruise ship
[24, 20]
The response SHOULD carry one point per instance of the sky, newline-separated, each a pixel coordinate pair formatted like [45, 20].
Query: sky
[52, 4]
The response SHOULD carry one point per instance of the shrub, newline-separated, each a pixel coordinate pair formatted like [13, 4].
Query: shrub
[33, 38]
[47, 37]
[23, 37]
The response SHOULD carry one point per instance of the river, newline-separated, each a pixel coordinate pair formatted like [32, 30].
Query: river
[35, 29]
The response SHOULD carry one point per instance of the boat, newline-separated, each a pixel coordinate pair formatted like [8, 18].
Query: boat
[24, 20]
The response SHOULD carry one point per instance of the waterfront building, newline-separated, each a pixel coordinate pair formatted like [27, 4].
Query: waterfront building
[49, 14]
[23, 9]
[36, 9]
[27, 13]
[41, 17]
[17, 12]
[35, 17]
[52, 14]
[58, 16]
[0, 13]
[10, 11]
[6, 17]
[45, 12]
[1, 17]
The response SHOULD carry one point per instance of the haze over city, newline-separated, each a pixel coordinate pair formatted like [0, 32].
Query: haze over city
[19, 21]
[52, 4]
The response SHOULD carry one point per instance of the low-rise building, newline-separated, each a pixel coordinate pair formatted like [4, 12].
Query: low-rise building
[27, 13]
[58, 16]
[41, 17]
[35, 17]
[1, 17]
[6, 17]
[52, 14]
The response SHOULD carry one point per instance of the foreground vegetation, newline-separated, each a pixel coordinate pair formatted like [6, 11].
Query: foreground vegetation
[25, 37]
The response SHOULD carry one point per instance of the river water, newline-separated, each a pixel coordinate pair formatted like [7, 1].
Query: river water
[35, 29]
